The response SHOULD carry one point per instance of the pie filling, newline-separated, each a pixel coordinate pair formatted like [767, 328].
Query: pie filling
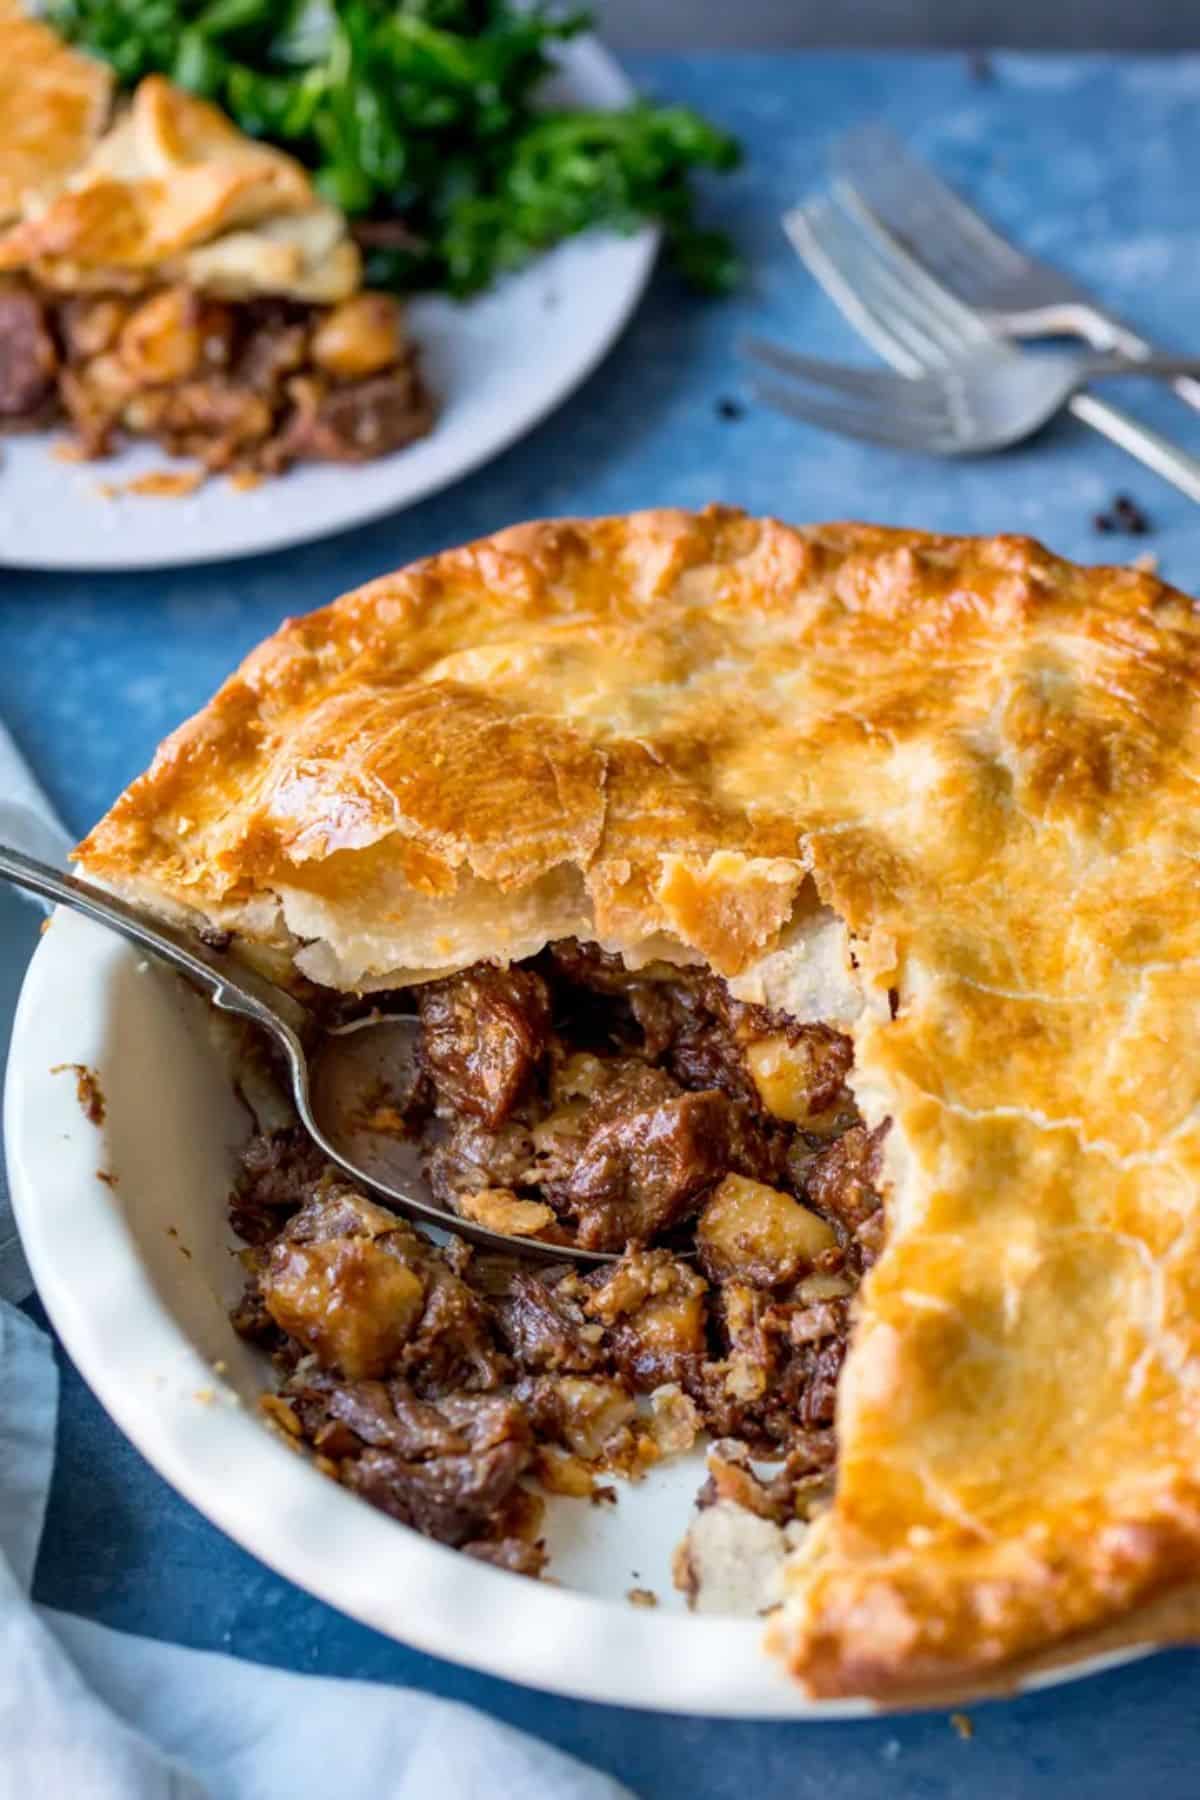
[250, 386]
[715, 1145]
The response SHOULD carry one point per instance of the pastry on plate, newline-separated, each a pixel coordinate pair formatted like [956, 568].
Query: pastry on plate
[54, 105]
[820, 900]
[162, 275]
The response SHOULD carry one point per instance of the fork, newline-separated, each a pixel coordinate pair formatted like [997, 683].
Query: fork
[877, 175]
[916, 324]
[981, 401]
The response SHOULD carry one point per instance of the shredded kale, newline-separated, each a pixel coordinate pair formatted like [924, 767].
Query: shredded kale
[419, 118]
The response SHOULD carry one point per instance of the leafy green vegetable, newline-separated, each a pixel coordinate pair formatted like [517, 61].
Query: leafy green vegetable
[418, 118]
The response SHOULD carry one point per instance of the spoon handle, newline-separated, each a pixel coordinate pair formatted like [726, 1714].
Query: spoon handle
[233, 989]
[236, 989]
[1159, 362]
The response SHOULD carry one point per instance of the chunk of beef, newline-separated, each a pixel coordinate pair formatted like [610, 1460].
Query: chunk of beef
[251, 1320]
[339, 1417]
[470, 1157]
[543, 1329]
[643, 1171]
[279, 1171]
[28, 358]
[273, 345]
[705, 1054]
[482, 1033]
[455, 1494]
[633, 1156]
[635, 999]
[356, 420]
[843, 1183]
[453, 1346]
[588, 1092]
[712, 1029]
[780, 1376]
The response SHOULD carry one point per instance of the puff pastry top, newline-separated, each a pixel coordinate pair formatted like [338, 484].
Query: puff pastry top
[174, 191]
[54, 104]
[662, 731]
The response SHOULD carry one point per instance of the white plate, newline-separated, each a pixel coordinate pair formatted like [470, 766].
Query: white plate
[138, 1278]
[496, 365]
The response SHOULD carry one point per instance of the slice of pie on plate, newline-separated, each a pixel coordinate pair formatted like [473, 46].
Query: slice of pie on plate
[162, 275]
[936, 796]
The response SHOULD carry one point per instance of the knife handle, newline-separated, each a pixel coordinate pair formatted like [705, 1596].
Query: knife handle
[1157, 452]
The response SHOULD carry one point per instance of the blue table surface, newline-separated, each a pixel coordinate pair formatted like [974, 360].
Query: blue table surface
[1090, 161]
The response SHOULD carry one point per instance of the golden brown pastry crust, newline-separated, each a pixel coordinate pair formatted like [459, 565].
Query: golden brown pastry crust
[988, 761]
[54, 103]
[174, 191]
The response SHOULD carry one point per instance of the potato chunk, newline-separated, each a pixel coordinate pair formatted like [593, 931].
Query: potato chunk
[654, 1310]
[162, 341]
[347, 1299]
[799, 1079]
[759, 1234]
[359, 337]
[594, 1414]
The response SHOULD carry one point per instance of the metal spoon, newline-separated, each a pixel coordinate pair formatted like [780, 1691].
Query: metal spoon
[329, 1091]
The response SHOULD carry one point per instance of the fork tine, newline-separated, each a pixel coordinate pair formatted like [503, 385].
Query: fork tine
[955, 326]
[866, 263]
[877, 160]
[874, 428]
[903, 397]
[804, 228]
[884, 288]
[914, 202]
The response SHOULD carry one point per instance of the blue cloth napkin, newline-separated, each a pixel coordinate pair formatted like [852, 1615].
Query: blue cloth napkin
[92, 1714]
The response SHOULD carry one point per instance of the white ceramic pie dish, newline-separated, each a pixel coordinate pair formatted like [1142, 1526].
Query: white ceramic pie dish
[137, 1278]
